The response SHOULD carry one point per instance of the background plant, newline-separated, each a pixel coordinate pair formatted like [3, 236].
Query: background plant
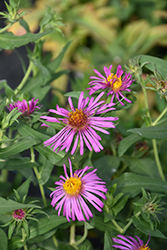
[133, 162]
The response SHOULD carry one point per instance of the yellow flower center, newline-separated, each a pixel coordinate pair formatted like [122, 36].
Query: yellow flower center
[144, 248]
[77, 119]
[117, 83]
[73, 185]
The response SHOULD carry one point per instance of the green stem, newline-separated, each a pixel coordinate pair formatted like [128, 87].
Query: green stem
[6, 27]
[146, 105]
[4, 175]
[25, 247]
[153, 140]
[55, 241]
[157, 159]
[83, 237]
[38, 177]
[116, 225]
[159, 117]
[123, 230]
[72, 236]
[24, 78]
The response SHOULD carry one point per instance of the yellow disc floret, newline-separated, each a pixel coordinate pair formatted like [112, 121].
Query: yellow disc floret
[77, 119]
[73, 185]
[115, 82]
[144, 248]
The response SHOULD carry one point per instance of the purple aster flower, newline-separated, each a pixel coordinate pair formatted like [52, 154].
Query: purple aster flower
[19, 214]
[72, 193]
[114, 84]
[26, 108]
[129, 243]
[81, 123]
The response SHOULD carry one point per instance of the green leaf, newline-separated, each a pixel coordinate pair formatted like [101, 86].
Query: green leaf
[42, 237]
[152, 132]
[143, 226]
[75, 94]
[22, 190]
[120, 204]
[154, 63]
[107, 241]
[126, 143]
[2, 105]
[46, 224]
[106, 167]
[8, 91]
[46, 151]
[20, 146]
[45, 171]
[10, 205]
[15, 243]
[18, 163]
[145, 166]
[11, 229]
[131, 184]
[3, 240]
[9, 41]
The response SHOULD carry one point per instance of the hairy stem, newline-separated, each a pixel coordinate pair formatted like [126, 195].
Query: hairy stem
[6, 27]
[159, 117]
[72, 236]
[38, 177]
[154, 143]
[29, 69]
[83, 237]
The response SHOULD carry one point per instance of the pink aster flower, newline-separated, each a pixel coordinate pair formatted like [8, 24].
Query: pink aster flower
[26, 108]
[72, 193]
[19, 214]
[80, 124]
[129, 243]
[114, 84]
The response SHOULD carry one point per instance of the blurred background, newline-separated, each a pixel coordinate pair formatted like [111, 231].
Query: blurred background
[102, 32]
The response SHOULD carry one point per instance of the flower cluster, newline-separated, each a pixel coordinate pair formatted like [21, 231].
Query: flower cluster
[80, 128]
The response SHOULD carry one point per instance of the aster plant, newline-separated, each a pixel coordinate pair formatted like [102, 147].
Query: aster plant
[85, 174]
[113, 84]
[82, 122]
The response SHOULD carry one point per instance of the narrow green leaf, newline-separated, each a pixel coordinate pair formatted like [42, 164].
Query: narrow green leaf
[45, 172]
[20, 146]
[3, 240]
[46, 151]
[16, 243]
[18, 163]
[10, 205]
[9, 41]
[152, 132]
[126, 143]
[131, 184]
[75, 94]
[144, 166]
[143, 226]
[154, 63]
[106, 167]
[53, 65]
[46, 224]
[107, 241]
[22, 190]
[9, 92]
